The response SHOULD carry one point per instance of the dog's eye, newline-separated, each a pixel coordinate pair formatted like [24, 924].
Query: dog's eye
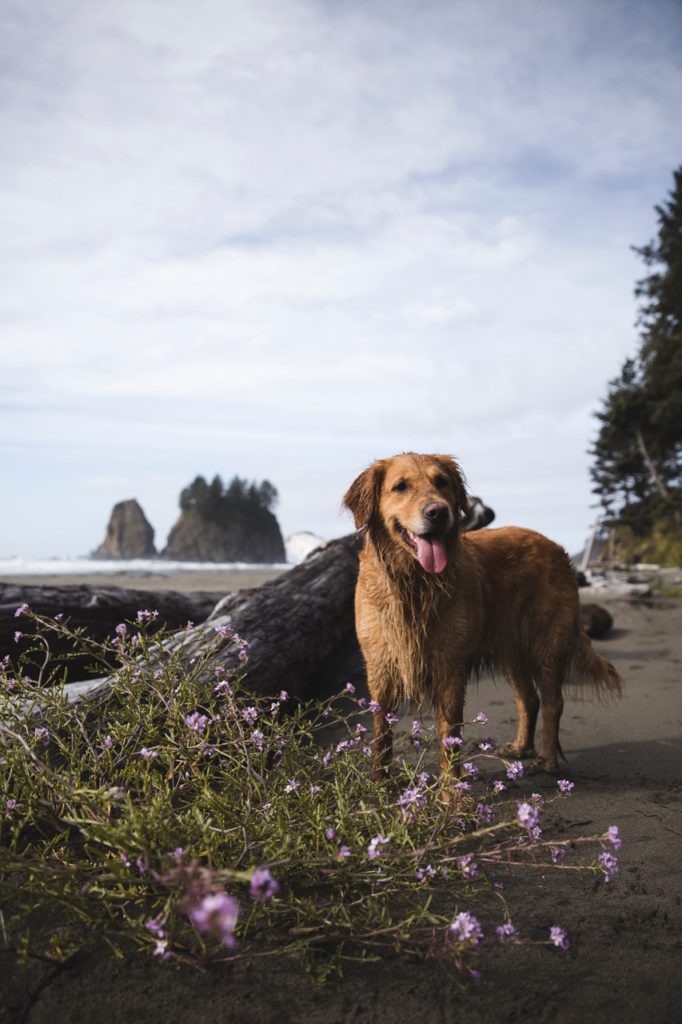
[402, 485]
[440, 481]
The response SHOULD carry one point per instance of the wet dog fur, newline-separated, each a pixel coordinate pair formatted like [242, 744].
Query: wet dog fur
[435, 606]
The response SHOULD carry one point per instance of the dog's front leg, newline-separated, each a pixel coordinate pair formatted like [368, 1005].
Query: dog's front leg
[449, 708]
[382, 690]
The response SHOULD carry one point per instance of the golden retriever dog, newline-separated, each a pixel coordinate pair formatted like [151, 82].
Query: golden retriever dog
[435, 606]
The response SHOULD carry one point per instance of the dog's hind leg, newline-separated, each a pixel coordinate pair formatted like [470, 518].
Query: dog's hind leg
[552, 705]
[527, 707]
[383, 746]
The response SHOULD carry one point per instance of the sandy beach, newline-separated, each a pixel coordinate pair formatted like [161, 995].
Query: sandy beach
[626, 937]
[183, 580]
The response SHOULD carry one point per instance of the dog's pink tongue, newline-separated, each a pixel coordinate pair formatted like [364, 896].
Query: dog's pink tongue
[431, 553]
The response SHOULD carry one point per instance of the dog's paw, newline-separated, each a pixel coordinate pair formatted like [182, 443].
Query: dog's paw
[540, 765]
[514, 750]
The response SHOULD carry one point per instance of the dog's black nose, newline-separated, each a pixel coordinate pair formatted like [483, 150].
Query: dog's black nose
[436, 513]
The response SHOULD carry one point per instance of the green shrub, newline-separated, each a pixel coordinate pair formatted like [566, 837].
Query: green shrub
[182, 815]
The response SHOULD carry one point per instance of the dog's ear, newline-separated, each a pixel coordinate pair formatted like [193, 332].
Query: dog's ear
[362, 496]
[454, 474]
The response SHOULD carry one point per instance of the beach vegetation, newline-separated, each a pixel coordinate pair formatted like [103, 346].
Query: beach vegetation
[180, 815]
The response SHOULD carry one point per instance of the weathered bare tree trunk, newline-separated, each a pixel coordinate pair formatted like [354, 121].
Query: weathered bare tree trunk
[650, 465]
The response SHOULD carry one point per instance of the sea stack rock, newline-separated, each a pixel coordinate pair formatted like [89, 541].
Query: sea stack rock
[247, 536]
[129, 534]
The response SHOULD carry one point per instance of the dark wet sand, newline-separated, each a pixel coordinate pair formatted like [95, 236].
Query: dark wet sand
[625, 963]
[185, 580]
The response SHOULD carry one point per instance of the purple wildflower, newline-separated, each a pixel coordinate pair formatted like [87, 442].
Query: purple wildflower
[374, 707]
[452, 741]
[558, 937]
[216, 914]
[21, 610]
[343, 852]
[263, 886]
[514, 769]
[148, 755]
[409, 798]
[283, 695]
[484, 813]
[161, 949]
[558, 854]
[374, 848]
[613, 837]
[426, 872]
[468, 866]
[222, 688]
[291, 786]
[528, 816]
[392, 719]
[350, 688]
[507, 932]
[12, 804]
[471, 769]
[156, 926]
[609, 865]
[146, 616]
[565, 786]
[17, 636]
[330, 833]
[196, 722]
[466, 928]
[258, 739]
[121, 629]
[499, 786]
[481, 719]
[250, 714]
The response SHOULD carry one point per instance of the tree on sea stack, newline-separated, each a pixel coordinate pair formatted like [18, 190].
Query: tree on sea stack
[233, 523]
[637, 470]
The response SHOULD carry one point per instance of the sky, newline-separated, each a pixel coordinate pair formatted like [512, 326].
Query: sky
[282, 238]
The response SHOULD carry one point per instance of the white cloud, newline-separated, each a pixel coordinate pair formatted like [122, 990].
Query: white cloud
[283, 238]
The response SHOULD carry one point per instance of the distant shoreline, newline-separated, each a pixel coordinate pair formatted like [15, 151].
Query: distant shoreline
[189, 580]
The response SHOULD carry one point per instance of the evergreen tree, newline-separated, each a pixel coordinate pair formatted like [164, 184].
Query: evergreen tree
[217, 502]
[637, 470]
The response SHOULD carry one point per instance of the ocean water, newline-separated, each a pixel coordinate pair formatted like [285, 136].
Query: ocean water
[298, 546]
[95, 566]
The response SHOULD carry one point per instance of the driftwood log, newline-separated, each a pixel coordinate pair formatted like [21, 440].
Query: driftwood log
[299, 626]
[96, 609]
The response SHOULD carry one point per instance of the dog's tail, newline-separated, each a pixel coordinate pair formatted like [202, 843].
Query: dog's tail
[588, 671]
